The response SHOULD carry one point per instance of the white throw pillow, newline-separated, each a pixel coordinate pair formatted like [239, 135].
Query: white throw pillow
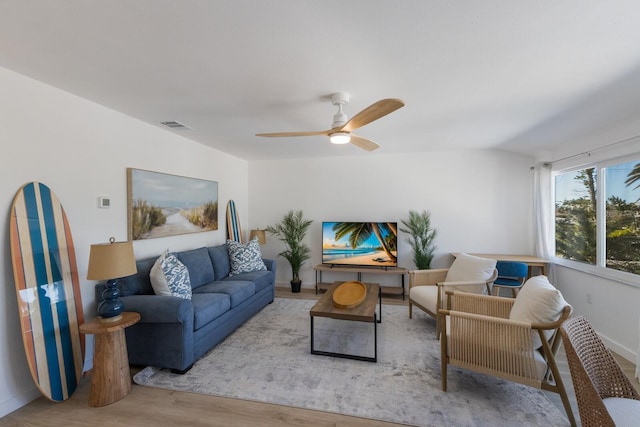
[469, 268]
[170, 277]
[245, 258]
[538, 302]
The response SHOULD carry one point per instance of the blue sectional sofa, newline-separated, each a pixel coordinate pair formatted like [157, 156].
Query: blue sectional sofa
[175, 332]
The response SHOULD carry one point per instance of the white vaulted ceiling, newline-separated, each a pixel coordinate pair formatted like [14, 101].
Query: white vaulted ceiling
[520, 76]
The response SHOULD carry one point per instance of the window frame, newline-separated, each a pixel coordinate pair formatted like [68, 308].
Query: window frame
[599, 269]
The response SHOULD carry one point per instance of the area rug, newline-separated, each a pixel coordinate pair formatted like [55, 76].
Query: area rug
[268, 360]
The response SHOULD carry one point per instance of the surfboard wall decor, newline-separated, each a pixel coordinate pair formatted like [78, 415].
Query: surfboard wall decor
[234, 231]
[48, 290]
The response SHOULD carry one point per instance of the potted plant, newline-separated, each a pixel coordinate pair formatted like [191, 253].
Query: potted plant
[291, 230]
[421, 238]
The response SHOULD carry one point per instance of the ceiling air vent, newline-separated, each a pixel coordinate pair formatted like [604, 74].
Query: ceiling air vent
[175, 125]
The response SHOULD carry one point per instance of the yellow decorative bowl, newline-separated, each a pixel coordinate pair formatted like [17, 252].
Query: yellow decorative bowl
[349, 294]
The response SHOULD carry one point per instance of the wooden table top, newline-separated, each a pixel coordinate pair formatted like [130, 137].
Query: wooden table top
[96, 327]
[364, 312]
[530, 259]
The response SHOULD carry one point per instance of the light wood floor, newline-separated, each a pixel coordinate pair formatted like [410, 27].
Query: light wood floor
[147, 406]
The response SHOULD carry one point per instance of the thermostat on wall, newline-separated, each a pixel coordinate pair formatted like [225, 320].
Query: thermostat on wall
[104, 202]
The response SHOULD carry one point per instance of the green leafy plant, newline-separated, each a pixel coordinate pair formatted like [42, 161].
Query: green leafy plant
[421, 237]
[291, 230]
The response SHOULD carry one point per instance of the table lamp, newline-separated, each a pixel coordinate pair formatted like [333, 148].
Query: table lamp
[111, 261]
[260, 234]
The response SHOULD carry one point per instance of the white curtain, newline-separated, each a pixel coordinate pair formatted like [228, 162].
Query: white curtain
[543, 210]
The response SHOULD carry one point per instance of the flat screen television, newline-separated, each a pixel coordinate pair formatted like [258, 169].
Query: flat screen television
[360, 243]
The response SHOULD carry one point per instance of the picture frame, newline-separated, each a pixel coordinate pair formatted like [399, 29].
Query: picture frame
[162, 205]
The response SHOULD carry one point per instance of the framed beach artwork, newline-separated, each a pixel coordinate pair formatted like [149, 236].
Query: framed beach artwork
[161, 205]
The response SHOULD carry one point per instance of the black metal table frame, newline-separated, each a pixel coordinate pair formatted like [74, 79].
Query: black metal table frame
[375, 322]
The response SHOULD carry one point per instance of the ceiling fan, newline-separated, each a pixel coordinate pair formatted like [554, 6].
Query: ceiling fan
[340, 132]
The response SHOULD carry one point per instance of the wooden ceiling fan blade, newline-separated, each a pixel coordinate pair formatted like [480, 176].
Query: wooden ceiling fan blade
[364, 143]
[373, 112]
[287, 134]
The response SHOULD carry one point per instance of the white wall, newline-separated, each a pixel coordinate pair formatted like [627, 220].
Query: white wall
[480, 201]
[613, 308]
[81, 150]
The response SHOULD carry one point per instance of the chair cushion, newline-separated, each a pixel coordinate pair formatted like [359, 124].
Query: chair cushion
[469, 268]
[170, 277]
[538, 302]
[504, 281]
[624, 412]
[426, 296]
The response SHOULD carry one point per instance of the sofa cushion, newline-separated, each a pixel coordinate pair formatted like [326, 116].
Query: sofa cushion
[208, 306]
[199, 264]
[538, 302]
[262, 279]
[238, 291]
[245, 258]
[170, 277]
[220, 259]
[139, 283]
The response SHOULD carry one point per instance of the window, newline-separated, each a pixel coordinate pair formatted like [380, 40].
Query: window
[597, 216]
[622, 192]
[576, 207]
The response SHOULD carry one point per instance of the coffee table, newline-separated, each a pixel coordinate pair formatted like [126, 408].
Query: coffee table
[365, 312]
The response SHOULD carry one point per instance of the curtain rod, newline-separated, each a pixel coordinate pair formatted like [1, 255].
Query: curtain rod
[588, 153]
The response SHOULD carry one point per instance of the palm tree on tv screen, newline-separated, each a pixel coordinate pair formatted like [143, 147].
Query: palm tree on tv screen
[359, 232]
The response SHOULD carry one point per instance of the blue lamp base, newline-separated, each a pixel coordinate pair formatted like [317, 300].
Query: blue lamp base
[111, 308]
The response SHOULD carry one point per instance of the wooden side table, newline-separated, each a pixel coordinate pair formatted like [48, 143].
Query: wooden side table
[110, 378]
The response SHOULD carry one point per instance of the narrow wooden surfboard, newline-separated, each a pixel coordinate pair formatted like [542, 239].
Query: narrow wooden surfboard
[48, 290]
[234, 231]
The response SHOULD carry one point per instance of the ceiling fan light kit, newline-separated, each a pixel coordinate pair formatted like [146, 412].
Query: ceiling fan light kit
[340, 132]
[340, 138]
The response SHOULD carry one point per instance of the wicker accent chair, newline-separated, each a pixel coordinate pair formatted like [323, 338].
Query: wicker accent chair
[604, 393]
[468, 274]
[481, 337]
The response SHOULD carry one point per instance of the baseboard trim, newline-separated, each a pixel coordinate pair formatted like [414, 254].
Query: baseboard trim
[614, 346]
[18, 401]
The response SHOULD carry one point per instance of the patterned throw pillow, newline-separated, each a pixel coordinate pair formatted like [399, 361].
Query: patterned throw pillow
[170, 277]
[245, 258]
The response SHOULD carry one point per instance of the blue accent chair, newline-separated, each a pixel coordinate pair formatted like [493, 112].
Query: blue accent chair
[511, 275]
